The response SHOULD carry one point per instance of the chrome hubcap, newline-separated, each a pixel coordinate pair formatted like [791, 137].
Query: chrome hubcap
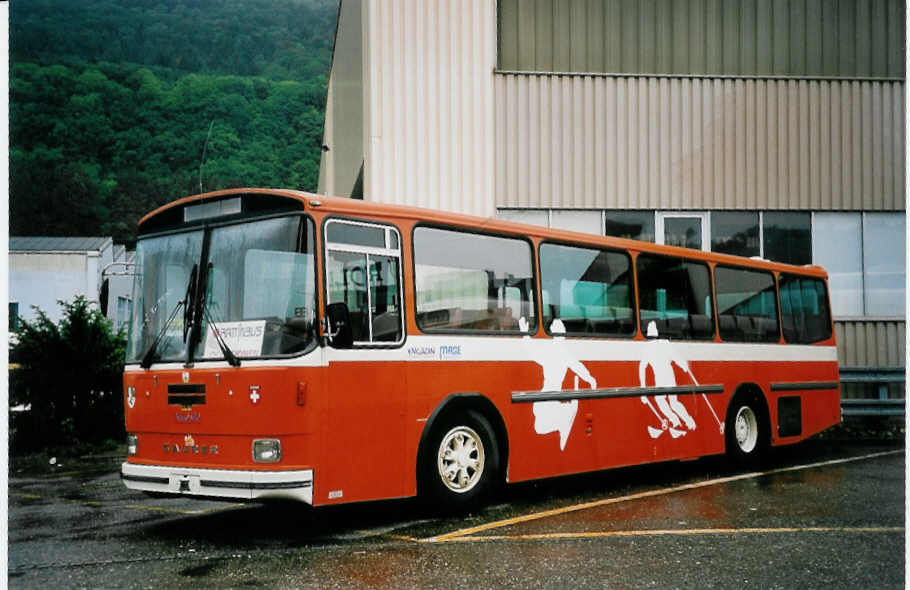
[746, 429]
[460, 459]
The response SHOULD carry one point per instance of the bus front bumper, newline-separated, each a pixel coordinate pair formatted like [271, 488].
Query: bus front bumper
[218, 483]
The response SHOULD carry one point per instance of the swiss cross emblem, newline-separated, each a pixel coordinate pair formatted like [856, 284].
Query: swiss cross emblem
[254, 394]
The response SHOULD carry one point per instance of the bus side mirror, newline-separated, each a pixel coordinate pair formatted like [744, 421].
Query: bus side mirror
[338, 325]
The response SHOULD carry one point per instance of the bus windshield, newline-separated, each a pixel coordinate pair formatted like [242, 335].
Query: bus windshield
[260, 289]
[259, 286]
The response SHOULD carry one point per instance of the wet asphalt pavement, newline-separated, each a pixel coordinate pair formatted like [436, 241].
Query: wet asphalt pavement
[839, 523]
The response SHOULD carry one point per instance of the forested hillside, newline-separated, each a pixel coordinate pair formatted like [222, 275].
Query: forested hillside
[111, 104]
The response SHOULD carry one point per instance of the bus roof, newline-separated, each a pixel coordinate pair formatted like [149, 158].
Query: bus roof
[355, 207]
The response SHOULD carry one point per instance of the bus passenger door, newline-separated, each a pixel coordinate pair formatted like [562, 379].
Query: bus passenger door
[365, 386]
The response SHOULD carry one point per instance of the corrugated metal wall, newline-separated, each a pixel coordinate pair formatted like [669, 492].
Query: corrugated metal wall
[867, 343]
[429, 92]
[577, 141]
[852, 38]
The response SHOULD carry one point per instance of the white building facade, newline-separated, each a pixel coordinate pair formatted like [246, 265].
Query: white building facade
[45, 270]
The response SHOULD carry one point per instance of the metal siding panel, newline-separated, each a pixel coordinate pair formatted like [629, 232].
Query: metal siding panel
[543, 35]
[622, 191]
[520, 119]
[698, 142]
[813, 38]
[663, 37]
[824, 147]
[898, 197]
[562, 32]
[878, 137]
[840, 336]
[508, 32]
[761, 150]
[596, 54]
[781, 37]
[664, 132]
[647, 18]
[578, 38]
[589, 124]
[763, 29]
[687, 144]
[503, 198]
[731, 36]
[830, 45]
[748, 51]
[636, 98]
[612, 27]
[650, 124]
[773, 151]
[897, 61]
[863, 25]
[833, 198]
[813, 146]
[867, 114]
[527, 36]
[797, 40]
[879, 36]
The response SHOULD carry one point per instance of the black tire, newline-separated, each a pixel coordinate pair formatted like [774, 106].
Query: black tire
[460, 465]
[746, 429]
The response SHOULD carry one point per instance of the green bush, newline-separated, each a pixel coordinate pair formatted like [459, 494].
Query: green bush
[71, 373]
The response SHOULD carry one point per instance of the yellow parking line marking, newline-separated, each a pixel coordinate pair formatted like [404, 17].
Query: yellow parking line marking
[675, 532]
[402, 538]
[649, 494]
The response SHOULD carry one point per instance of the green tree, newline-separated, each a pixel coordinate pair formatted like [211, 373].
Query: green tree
[70, 373]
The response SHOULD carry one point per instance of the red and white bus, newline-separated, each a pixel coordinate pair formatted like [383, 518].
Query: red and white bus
[290, 345]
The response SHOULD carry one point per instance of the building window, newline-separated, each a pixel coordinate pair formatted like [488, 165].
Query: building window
[837, 245]
[787, 237]
[633, 225]
[589, 290]
[735, 233]
[884, 263]
[531, 216]
[581, 221]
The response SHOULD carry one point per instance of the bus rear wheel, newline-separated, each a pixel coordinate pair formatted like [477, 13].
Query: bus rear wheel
[746, 430]
[461, 463]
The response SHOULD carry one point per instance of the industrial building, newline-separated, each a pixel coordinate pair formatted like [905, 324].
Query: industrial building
[771, 129]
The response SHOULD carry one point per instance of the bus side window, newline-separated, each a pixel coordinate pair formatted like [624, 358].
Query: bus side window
[590, 290]
[746, 305]
[472, 282]
[363, 269]
[675, 294]
[804, 309]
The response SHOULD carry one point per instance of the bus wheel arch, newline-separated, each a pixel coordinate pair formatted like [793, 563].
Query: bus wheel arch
[748, 424]
[460, 417]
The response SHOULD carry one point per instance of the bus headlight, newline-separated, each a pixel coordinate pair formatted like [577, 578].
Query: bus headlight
[132, 444]
[267, 450]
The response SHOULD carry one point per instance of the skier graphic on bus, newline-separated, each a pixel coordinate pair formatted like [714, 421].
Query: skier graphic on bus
[557, 416]
[660, 356]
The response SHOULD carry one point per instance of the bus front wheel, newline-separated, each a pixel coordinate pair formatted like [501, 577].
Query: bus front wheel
[461, 465]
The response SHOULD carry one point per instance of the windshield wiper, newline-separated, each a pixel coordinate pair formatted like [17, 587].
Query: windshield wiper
[151, 354]
[226, 351]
